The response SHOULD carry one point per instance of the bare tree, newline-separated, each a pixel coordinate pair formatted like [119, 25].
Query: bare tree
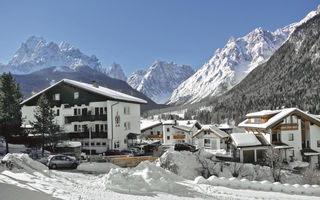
[275, 161]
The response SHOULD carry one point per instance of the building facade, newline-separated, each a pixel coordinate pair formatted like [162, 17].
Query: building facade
[170, 132]
[291, 132]
[82, 108]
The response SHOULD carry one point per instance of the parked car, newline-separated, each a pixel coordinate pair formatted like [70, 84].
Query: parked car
[138, 151]
[62, 161]
[184, 147]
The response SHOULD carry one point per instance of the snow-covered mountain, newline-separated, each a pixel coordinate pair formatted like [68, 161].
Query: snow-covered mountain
[232, 63]
[160, 80]
[36, 53]
[135, 78]
[115, 71]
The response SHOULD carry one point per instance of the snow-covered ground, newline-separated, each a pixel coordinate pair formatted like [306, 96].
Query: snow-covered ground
[146, 181]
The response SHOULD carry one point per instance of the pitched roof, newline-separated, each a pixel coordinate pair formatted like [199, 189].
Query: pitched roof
[274, 120]
[212, 128]
[98, 90]
[245, 139]
[146, 124]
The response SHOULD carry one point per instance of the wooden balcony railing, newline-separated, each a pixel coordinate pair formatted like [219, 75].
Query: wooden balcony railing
[177, 137]
[155, 136]
[287, 127]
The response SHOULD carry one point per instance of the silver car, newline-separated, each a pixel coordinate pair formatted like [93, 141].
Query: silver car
[61, 161]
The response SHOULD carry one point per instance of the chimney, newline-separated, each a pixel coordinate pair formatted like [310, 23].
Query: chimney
[95, 84]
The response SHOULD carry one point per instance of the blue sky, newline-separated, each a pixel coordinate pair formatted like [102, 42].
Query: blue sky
[134, 33]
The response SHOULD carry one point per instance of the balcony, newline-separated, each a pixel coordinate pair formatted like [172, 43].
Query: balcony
[288, 127]
[155, 136]
[85, 118]
[86, 135]
[178, 137]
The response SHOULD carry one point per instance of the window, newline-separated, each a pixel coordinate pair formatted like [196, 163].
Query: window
[56, 97]
[168, 137]
[97, 128]
[168, 129]
[158, 132]
[101, 127]
[84, 111]
[98, 144]
[104, 144]
[151, 132]
[79, 111]
[126, 110]
[92, 143]
[125, 141]
[76, 95]
[106, 127]
[84, 128]
[96, 111]
[127, 126]
[318, 143]
[105, 110]
[75, 127]
[101, 111]
[57, 112]
[86, 143]
[291, 137]
[206, 142]
[117, 144]
[75, 112]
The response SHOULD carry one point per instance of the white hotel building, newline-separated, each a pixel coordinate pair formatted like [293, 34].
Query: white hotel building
[78, 106]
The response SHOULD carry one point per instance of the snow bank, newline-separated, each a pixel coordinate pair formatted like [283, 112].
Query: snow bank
[96, 167]
[146, 178]
[265, 185]
[24, 162]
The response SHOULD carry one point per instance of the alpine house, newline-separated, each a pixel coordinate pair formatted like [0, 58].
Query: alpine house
[295, 134]
[112, 116]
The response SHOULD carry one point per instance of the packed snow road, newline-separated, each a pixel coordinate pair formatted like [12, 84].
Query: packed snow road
[146, 181]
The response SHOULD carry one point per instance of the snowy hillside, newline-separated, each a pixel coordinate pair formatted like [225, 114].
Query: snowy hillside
[232, 63]
[115, 71]
[160, 80]
[36, 53]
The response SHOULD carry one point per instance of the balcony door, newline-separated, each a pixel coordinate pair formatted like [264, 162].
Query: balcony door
[97, 128]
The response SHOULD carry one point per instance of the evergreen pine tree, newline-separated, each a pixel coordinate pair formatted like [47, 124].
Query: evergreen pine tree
[10, 108]
[44, 123]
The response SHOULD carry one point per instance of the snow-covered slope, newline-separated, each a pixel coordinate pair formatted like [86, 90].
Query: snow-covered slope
[36, 53]
[232, 63]
[115, 71]
[160, 80]
[135, 78]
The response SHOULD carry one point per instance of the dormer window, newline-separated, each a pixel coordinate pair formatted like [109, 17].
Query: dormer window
[56, 97]
[76, 95]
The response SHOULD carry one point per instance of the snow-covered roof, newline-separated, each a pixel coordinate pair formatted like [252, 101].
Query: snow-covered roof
[212, 128]
[169, 122]
[225, 126]
[263, 113]
[98, 90]
[69, 144]
[245, 139]
[145, 124]
[276, 119]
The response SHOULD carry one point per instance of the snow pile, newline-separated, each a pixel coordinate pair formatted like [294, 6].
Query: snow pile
[176, 162]
[146, 178]
[24, 162]
[204, 163]
[96, 167]
[265, 185]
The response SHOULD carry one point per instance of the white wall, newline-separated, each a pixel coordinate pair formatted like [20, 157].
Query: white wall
[314, 137]
[296, 143]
